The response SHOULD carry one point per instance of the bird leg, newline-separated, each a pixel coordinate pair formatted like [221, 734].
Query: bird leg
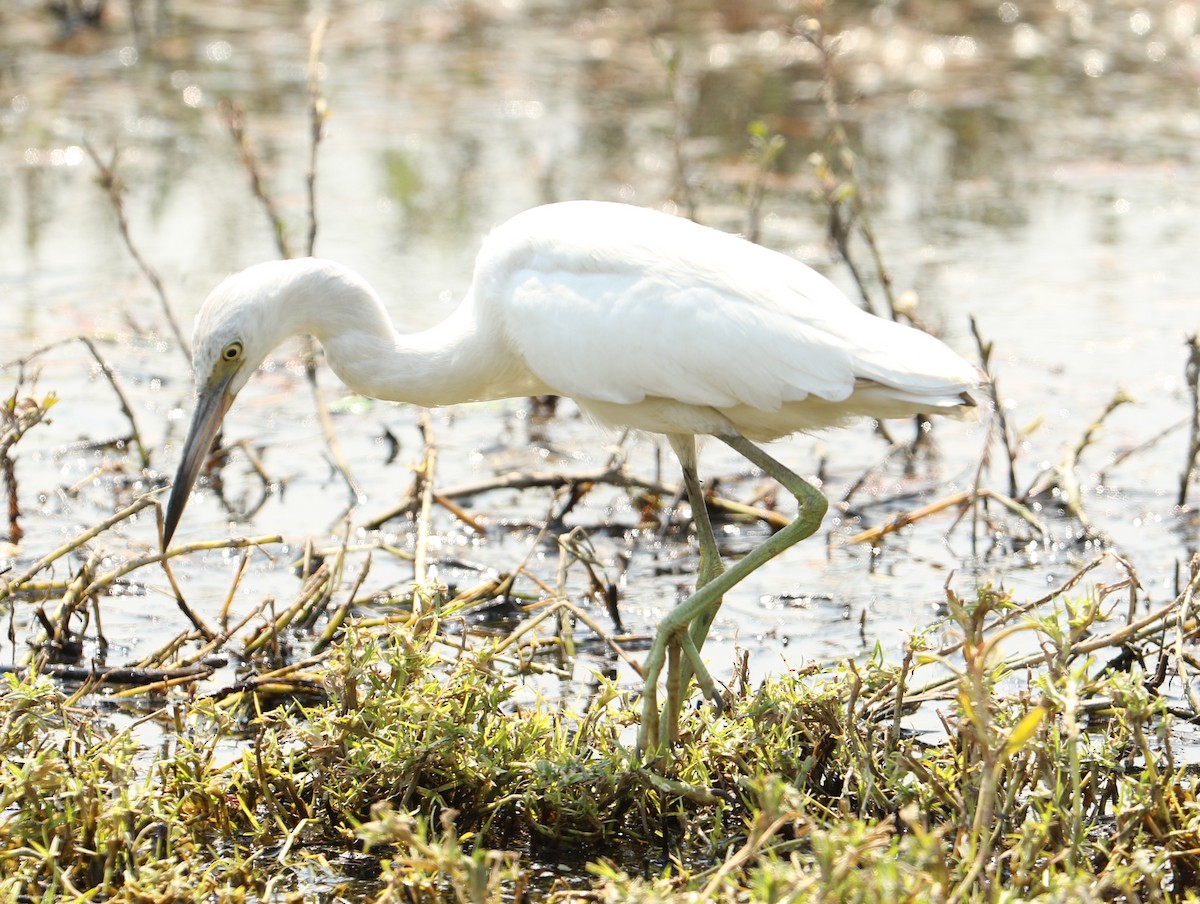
[686, 619]
[681, 668]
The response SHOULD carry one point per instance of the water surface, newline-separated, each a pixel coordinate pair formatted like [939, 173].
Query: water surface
[1032, 165]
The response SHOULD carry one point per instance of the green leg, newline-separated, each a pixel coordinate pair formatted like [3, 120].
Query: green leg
[678, 632]
[680, 668]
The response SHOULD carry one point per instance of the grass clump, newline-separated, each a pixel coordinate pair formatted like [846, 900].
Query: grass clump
[86, 813]
[1052, 778]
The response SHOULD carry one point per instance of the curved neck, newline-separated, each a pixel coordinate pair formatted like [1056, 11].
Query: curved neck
[455, 361]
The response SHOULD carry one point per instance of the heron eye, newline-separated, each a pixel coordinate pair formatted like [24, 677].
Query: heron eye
[232, 351]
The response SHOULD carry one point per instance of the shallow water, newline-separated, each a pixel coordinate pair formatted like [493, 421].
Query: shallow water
[1031, 165]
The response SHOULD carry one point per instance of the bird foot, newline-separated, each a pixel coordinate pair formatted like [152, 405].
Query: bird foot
[675, 648]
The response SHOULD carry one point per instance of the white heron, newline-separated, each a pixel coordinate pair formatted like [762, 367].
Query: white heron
[646, 320]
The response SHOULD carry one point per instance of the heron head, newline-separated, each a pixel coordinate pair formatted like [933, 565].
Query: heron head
[237, 327]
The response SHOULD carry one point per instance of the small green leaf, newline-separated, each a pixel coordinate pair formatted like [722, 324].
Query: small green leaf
[1025, 729]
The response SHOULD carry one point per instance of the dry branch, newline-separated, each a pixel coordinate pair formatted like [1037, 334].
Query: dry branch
[1064, 474]
[1003, 431]
[1193, 381]
[127, 675]
[960, 499]
[316, 117]
[234, 119]
[615, 476]
[235, 122]
[9, 586]
[126, 408]
[115, 191]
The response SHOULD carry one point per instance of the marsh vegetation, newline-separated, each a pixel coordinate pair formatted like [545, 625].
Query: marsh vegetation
[394, 654]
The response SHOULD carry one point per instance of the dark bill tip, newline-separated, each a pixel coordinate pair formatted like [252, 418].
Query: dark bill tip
[206, 421]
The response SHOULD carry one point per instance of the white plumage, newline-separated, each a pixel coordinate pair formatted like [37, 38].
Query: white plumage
[615, 304]
[645, 320]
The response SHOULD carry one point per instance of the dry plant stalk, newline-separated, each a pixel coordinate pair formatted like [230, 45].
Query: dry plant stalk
[961, 499]
[115, 192]
[682, 95]
[235, 123]
[1192, 373]
[126, 408]
[317, 112]
[234, 118]
[17, 416]
[838, 175]
[614, 474]
[1005, 433]
[1064, 476]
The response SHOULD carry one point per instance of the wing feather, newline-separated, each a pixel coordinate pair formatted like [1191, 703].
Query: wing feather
[620, 304]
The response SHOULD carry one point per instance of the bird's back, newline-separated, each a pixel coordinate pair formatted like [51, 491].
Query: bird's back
[655, 322]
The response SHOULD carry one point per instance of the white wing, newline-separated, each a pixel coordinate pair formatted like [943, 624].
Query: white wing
[618, 304]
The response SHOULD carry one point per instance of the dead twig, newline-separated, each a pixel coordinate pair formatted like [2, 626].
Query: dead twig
[1064, 475]
[126, 408]
[115, 191]
[235, 122]
[316, 115]
[612, 476]
[127, 675]
[334, 626]
[317, 108]
[962, 498]
[19, 415]
[1121, 457]
[9, 466]
[765, 149]
[316, 584]
[73, 600]
[1192, 372]
[837, 173]
[1007, 437]
[214, 645]
[682, 94]
[9, 586]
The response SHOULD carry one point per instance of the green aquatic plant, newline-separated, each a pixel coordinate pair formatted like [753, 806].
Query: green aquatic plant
[1053, 776]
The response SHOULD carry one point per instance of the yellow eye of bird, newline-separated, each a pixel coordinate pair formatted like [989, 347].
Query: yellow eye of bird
[232, 351]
